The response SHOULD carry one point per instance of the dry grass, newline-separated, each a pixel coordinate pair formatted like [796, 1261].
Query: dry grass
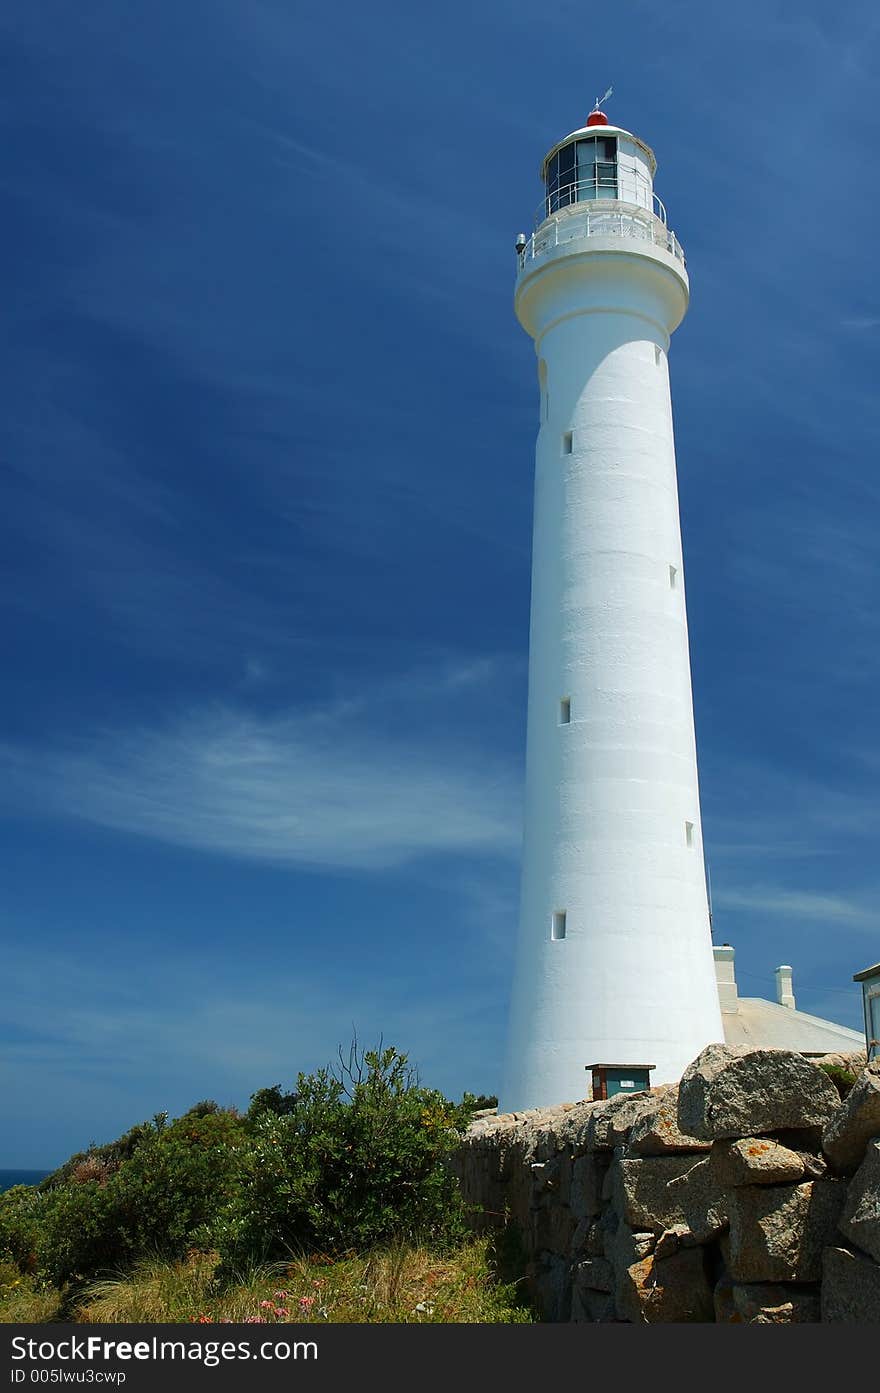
[23, 1300]
[399, 1284]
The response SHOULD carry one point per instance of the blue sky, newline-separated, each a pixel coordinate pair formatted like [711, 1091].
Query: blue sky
[267, 443]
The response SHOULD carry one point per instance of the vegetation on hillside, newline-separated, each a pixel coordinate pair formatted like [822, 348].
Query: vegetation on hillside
[205, 1211]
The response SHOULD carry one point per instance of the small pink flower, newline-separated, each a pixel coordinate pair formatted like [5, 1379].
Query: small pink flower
[281, 1295]
[306, 1302]
[266, 1306]
[281, 1311]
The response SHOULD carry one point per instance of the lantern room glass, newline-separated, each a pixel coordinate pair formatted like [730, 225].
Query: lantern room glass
[581, 171]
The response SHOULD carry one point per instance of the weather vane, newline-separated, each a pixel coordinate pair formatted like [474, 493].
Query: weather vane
[601, 100]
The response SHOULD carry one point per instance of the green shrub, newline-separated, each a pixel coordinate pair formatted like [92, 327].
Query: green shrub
[107, 1158]
[480, 1102]
[360, 1157]
[20, 1217]
[206, 1108]
[352, 1158]
[271, 1100]
[174, 1183]
[78, 1234]
[843, 1079]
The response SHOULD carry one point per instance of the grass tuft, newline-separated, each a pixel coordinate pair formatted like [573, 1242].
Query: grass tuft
[24, 1300]
[398, 1284]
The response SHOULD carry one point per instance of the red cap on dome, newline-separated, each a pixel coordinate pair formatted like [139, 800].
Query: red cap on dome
[597, 118]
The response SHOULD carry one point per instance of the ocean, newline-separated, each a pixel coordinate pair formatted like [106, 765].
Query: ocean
[10, 1178]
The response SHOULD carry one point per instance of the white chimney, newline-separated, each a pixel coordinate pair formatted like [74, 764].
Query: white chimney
[725, 977]
[784, 989]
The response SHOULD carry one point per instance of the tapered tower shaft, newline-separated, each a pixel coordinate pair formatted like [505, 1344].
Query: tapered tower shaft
[614, 960]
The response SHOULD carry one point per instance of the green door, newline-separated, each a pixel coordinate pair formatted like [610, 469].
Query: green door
[626, 1081]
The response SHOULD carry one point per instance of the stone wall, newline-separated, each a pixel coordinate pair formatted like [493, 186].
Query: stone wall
[748, 1192]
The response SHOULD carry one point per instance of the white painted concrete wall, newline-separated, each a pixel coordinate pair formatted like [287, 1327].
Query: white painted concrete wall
[609, 795]
[633, 173]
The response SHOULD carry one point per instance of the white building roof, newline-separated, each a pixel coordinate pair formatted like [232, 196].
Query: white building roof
[774, 1027]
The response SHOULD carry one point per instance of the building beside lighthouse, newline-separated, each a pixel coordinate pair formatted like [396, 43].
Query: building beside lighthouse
[614, 961]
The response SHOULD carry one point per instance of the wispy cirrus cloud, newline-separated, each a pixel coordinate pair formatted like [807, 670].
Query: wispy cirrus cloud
[800, 904]
[309, 788]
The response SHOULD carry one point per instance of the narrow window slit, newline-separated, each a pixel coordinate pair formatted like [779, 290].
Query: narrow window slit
[565, 711]
[557, 925]
[673, 577]
[689, 833]
[567, 442]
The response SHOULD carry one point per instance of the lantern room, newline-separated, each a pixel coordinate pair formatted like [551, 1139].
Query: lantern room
[596, 162]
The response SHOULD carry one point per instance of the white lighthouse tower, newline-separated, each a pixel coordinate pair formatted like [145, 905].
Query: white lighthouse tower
[614, 959]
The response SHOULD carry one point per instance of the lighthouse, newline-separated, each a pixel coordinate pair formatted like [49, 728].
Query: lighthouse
[614, 965]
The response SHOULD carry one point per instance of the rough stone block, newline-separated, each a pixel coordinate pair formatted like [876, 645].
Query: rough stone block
[722, 1299]
[777, 1233]
[643, 1196]
[855, 1121]
[610, 1122]
[815, 1167]
[594, 1246]
[765, 1303]
[804, 1140]
[736, 1091]
[754, 1161]
[672, 1239]
[543, 1173]
[608, 1180]
[850, 1288]
[672, 1289]
[595, 1273]
[853, 1060]
[701, 1201]
[592, 1307]
[570, 1127]
[630, 1245]
[518, 1191]
[587, 1176]
[580, 1235]
[551, 1287]
[861, 1215]
[552, 1226]
[656, 1132]
[587, 1239]
[607, 1226]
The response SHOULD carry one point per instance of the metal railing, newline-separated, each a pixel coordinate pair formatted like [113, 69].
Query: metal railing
[626, 186]
[600, 218]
